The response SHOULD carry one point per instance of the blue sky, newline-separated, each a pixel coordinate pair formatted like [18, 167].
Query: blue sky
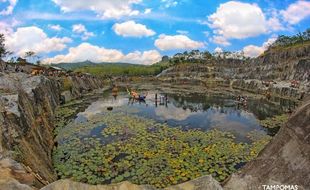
[141, 31]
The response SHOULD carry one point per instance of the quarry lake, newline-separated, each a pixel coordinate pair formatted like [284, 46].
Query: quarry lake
[165, 139]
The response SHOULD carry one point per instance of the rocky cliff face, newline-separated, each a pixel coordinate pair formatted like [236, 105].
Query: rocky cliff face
[26, 118]
[284, 64]
[281, 66]
[284, 161]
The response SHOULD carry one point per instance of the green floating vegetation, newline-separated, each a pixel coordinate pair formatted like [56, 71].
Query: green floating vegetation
[143, 151]
[274, 122]
[64, 113]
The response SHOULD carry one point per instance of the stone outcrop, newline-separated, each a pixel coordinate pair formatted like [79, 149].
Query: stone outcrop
[203, 183]
[280, 88]
[11, 172]
[285, 160]
[27, 105]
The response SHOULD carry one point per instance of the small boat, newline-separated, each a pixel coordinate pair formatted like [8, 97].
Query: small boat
[136, 96]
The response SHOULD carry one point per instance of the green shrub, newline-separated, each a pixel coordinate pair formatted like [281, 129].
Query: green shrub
[67, 84]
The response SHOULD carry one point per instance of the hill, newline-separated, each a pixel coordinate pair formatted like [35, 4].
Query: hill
[76, 65]
[113, 69]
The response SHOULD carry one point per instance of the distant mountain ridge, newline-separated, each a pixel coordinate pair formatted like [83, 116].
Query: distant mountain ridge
[76, 65]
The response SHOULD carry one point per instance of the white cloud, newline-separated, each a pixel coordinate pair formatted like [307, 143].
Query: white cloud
[132, 29]
[104, 8]
[86, 51]
[81, 29]
[169, 3]
[274, 24]
[5, 28]
[238, 20]
[56, 27]
[34, 39]
[296, 12]
[78, 28]
[183, 32]
[146, 57]
[220, 40]
[9, 9]
[147, 11]
[166, 42]
[254, 51]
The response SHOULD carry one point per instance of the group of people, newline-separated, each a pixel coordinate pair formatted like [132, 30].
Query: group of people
[242, 100]
[135, 95]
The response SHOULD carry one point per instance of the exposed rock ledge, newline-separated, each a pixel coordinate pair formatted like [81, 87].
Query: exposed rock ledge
[27, 105]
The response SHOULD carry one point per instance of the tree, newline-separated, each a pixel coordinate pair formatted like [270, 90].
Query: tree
[38, 62]
[13, 60]
[3, 51]
[165, 58]
[30, 55]
[207, 55]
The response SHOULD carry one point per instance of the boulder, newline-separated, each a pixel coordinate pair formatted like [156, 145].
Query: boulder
[284, 161]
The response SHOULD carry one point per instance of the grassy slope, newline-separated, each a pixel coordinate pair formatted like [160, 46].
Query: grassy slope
[115, 69]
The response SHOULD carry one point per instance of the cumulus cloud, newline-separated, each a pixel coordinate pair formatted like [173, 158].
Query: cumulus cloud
[238, 20]
[254, 51]
[166, 42]
[296, 12]
[146, 57]
[220, 40]
[56, 27]
[9, 9]
[132, 29]
[86, 51]
[104, 8]
[34, 39]
[81, 29]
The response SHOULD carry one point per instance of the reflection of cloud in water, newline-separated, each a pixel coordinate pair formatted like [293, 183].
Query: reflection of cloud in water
[223, 121]
[101, 106]
[173, 113]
